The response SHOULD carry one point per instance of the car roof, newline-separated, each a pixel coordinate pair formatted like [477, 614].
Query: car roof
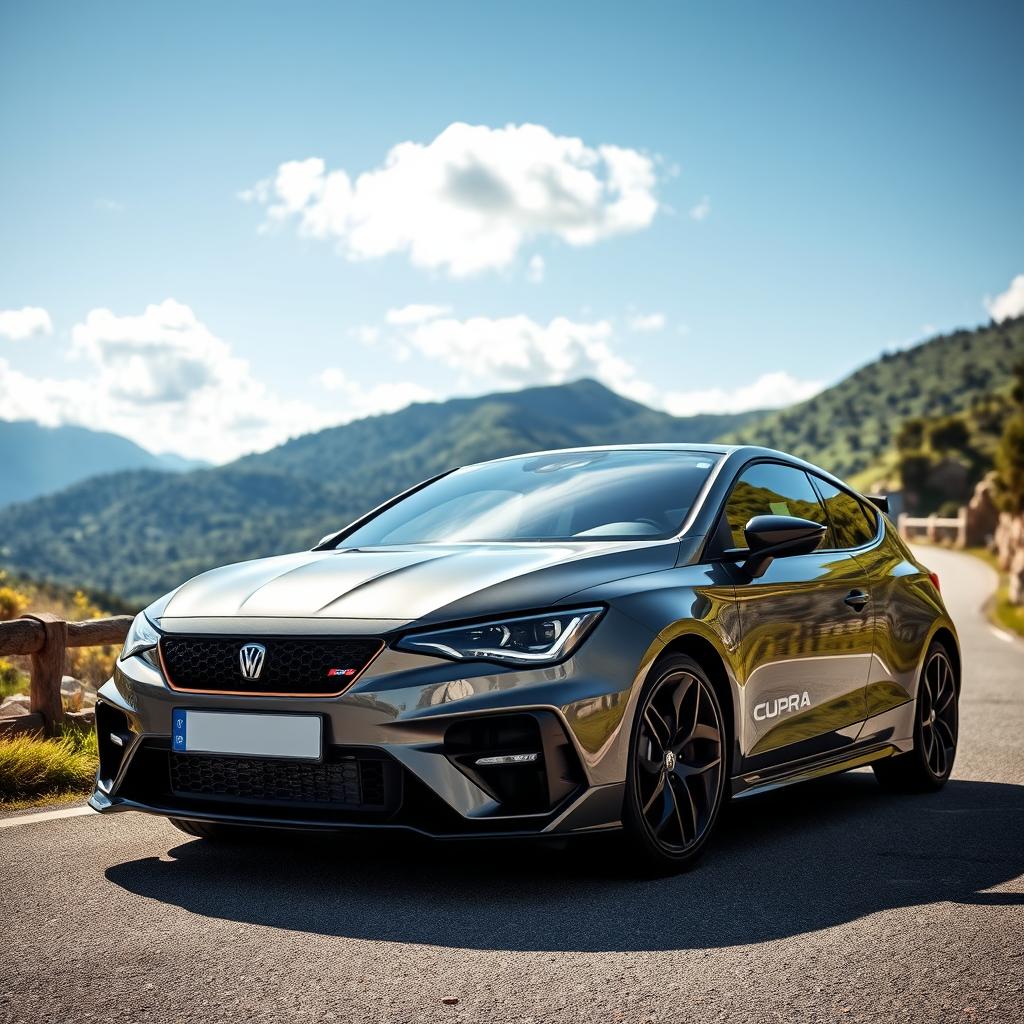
[736, 454]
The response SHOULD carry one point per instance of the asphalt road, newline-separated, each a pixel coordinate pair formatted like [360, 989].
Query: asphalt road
[828, 902]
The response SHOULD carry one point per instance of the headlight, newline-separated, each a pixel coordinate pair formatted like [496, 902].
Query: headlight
[142, 636]
[531, 640]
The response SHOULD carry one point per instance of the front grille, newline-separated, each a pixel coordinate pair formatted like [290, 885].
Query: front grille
[295, 666]
[363, 784]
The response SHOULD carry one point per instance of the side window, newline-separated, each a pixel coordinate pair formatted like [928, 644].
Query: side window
[767, 489]
[852, 524]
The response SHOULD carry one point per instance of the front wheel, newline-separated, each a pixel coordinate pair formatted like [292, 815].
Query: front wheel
[677, 766]
[936, 728]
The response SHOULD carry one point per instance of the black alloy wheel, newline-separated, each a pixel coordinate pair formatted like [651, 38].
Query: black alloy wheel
[678, 768]
[936, 727]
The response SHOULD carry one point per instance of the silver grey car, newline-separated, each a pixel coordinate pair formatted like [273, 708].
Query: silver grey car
[551, 644]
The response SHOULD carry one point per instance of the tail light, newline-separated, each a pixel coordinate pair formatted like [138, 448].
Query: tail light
[934, 577]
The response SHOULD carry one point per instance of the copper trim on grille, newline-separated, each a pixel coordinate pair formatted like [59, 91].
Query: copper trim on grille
[265, 693]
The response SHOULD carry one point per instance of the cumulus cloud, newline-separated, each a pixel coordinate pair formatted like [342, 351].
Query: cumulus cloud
[164, 379]
[469, 200]
[535, 269]
[769, 391]
[378, 398]
[1009, 304]
[515, 351]
[645, 322]
[702, 210]
[415, 313]
[19, 324]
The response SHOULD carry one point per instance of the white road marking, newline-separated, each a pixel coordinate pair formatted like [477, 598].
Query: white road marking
[1001, 634]
[29, 819]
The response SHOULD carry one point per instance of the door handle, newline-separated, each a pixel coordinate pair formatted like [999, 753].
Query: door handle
[856, 599]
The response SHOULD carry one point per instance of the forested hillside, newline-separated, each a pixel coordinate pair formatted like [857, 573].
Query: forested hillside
[138, 534]
[850, 426]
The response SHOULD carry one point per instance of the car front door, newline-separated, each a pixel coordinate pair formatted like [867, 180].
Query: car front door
[806, 630]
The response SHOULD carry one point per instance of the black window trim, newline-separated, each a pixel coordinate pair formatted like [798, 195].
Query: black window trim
[711, 551]
[864, 507]
[710, 544]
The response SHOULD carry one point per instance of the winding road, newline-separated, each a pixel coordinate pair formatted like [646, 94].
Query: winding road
[827, 902]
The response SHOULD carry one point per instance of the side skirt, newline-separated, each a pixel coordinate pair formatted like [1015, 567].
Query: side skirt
[787, 775]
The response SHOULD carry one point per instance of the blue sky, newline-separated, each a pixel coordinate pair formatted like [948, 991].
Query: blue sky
[807, 185]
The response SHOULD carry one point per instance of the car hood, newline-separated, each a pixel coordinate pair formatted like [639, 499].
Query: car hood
[423, 582]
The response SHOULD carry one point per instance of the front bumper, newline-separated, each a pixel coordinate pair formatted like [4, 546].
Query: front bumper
[401, 746]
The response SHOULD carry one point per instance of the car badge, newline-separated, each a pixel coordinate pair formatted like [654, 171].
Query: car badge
[251, 658]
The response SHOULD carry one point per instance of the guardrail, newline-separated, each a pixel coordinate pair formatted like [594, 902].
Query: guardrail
[935, 527]
[45, 639]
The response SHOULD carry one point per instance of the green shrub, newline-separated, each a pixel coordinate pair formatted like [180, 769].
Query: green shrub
[12, 679]
[34, 767]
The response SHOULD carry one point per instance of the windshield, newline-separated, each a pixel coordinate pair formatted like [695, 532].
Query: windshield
[607, 495]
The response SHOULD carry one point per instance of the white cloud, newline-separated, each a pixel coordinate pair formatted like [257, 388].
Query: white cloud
[415, 313]
[645, 322]
[1009, 304]
[535, 269]
[378, 398]
[19, 324]
[702, 210]
[470, 199]
[769, 391]
[166, 381]
[515, 351]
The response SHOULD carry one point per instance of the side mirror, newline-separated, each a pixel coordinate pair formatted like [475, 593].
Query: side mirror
[771, 537]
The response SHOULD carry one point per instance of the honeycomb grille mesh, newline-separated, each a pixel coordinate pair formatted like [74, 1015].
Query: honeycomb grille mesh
[356, 784]
[292, 665]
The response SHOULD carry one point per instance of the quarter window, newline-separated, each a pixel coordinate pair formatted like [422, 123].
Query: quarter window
[770, 489]
[851, 524]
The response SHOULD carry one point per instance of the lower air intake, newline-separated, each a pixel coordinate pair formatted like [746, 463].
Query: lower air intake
[362, 784]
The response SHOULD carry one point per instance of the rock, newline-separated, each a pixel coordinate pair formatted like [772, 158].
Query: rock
[982, 514]
[1016, 574]
[69, 686]
[13, 710]
[22, 699]
[85, 719]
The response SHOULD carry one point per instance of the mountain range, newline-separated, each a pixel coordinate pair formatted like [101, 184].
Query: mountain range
[138, 532]
[40, 460]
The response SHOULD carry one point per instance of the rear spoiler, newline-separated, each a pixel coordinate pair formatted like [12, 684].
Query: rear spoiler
[880, 501]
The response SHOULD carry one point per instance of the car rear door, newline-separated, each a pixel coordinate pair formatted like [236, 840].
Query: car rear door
[806, 630]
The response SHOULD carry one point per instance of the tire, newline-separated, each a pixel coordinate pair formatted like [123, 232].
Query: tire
[212, 830]
[678, 768]
[936, 729]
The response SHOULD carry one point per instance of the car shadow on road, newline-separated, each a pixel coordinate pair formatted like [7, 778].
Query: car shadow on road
[790, 862]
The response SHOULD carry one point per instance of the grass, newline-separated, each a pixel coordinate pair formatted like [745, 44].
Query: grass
[34, 770]
[12, 680]
[1005, 615]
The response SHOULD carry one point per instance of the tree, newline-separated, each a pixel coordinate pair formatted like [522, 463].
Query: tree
[949, 434]
[910, 436]
[1010, 453]
[914, 468]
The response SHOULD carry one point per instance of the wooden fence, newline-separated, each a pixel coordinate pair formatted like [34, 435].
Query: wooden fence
[935, 528]
[45, 639]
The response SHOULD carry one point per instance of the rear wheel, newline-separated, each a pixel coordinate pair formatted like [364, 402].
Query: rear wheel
[677, 766]
[936, 728]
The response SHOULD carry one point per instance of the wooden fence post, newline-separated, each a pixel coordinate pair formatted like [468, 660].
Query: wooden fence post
[48, 670]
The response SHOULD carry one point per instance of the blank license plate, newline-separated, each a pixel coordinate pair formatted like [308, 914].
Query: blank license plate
[232, 732]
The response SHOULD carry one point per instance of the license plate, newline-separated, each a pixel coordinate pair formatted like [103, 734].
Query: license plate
[260, 735]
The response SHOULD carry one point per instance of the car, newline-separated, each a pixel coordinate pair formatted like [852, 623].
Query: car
[546, 645]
